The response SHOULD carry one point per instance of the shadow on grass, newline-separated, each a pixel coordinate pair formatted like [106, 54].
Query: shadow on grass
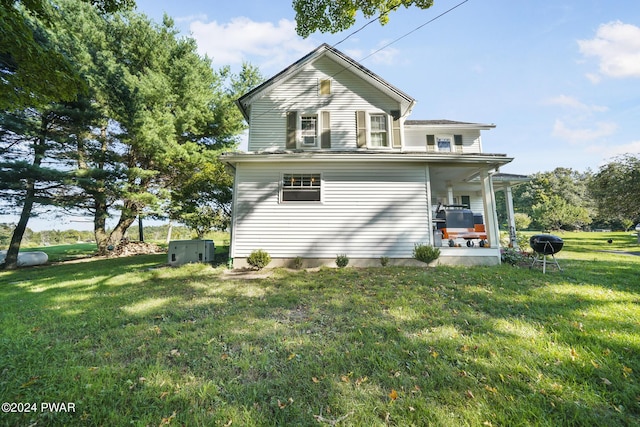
[134, 343]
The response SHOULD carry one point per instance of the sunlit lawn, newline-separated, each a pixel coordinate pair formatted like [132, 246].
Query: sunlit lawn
[132, 344]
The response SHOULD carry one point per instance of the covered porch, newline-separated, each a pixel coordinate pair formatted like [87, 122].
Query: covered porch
[463, 211]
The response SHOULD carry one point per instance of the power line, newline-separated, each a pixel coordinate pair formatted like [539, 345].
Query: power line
[412, 31]
[367, 24]
[381, 48]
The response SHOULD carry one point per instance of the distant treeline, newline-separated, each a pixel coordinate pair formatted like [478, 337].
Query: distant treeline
[61, 237]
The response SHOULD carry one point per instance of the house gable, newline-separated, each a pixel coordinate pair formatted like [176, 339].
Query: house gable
[326, 91]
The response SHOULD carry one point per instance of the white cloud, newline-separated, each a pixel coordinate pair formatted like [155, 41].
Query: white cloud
[578, 135]
[571, 102]
[617, 47]
[268, 45]
[615, 150]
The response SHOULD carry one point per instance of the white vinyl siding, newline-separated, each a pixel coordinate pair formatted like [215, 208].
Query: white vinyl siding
[415, 138]
[349, 93]
[366, 212]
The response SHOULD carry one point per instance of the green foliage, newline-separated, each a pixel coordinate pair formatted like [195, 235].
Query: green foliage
[425, 253]
[522, 220]
[513, 257]
[384, 261]
[342, 260]
[335, 16]
[259, 259]
[556, 213]
[564, 183]
[616, 189]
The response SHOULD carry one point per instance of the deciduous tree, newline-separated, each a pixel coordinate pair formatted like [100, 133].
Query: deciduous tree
[616, 189]
[337, 15]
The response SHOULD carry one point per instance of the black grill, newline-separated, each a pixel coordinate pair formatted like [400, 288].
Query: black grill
[543, 245]
[546, 244]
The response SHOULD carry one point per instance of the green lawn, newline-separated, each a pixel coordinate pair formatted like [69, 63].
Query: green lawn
[131, 343]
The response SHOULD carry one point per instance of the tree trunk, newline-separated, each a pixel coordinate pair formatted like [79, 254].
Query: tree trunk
[11, 260]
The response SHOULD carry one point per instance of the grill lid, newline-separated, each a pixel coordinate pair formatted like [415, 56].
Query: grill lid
[546, 244]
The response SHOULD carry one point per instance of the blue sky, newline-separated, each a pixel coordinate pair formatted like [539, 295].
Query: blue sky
[559, 78]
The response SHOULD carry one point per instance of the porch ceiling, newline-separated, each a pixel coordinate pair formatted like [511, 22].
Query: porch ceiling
[460, 177]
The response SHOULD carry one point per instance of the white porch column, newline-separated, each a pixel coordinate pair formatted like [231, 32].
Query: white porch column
[427, 181]
[491, 216]
[508, 195]
[449, 193]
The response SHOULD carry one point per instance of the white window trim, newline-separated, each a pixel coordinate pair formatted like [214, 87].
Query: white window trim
[451, 143]
[300, 136]
[389, 124]
[299, 139]
[302, 202]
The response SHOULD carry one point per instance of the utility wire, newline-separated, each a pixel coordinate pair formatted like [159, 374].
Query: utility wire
[410, 32]
[380, 49]
[367, 24]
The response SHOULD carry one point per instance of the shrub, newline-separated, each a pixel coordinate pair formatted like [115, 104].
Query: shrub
[513, 257]
[342, 260]
[425, 253]
[259, 259]
[384, 261]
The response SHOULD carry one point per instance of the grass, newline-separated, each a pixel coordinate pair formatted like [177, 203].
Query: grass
[130, 343]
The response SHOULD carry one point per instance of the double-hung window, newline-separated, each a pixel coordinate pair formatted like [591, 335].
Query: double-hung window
[301, 187]
[379, 134]
[309, 130]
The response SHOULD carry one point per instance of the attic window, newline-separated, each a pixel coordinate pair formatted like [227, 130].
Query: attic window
[325, 86]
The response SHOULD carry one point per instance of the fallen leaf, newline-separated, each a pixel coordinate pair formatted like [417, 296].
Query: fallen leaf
[224, 356]
[605, 381]
[393, 395]
[315, 380]
[595, 364]
[166, 421]
[626, 370]
[491, 389]
[345, 379]
[434, 354]
[281, 405]
[574, 354]
[291, 356]
[469, 394]
[164, 394]
[361, 380]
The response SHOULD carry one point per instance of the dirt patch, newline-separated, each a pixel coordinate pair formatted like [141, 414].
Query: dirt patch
[128, 248]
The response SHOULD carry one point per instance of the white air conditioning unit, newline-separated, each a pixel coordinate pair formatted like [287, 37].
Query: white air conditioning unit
[189, 251]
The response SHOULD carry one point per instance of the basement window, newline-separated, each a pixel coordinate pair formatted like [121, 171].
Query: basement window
[301, 187]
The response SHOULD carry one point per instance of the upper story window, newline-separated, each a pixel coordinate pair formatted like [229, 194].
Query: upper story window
[301, 187]
[379, 134]
[372, 130]
[444, 143]
[309, 130]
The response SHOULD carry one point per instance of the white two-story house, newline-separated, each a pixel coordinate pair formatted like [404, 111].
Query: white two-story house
[335, 166]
